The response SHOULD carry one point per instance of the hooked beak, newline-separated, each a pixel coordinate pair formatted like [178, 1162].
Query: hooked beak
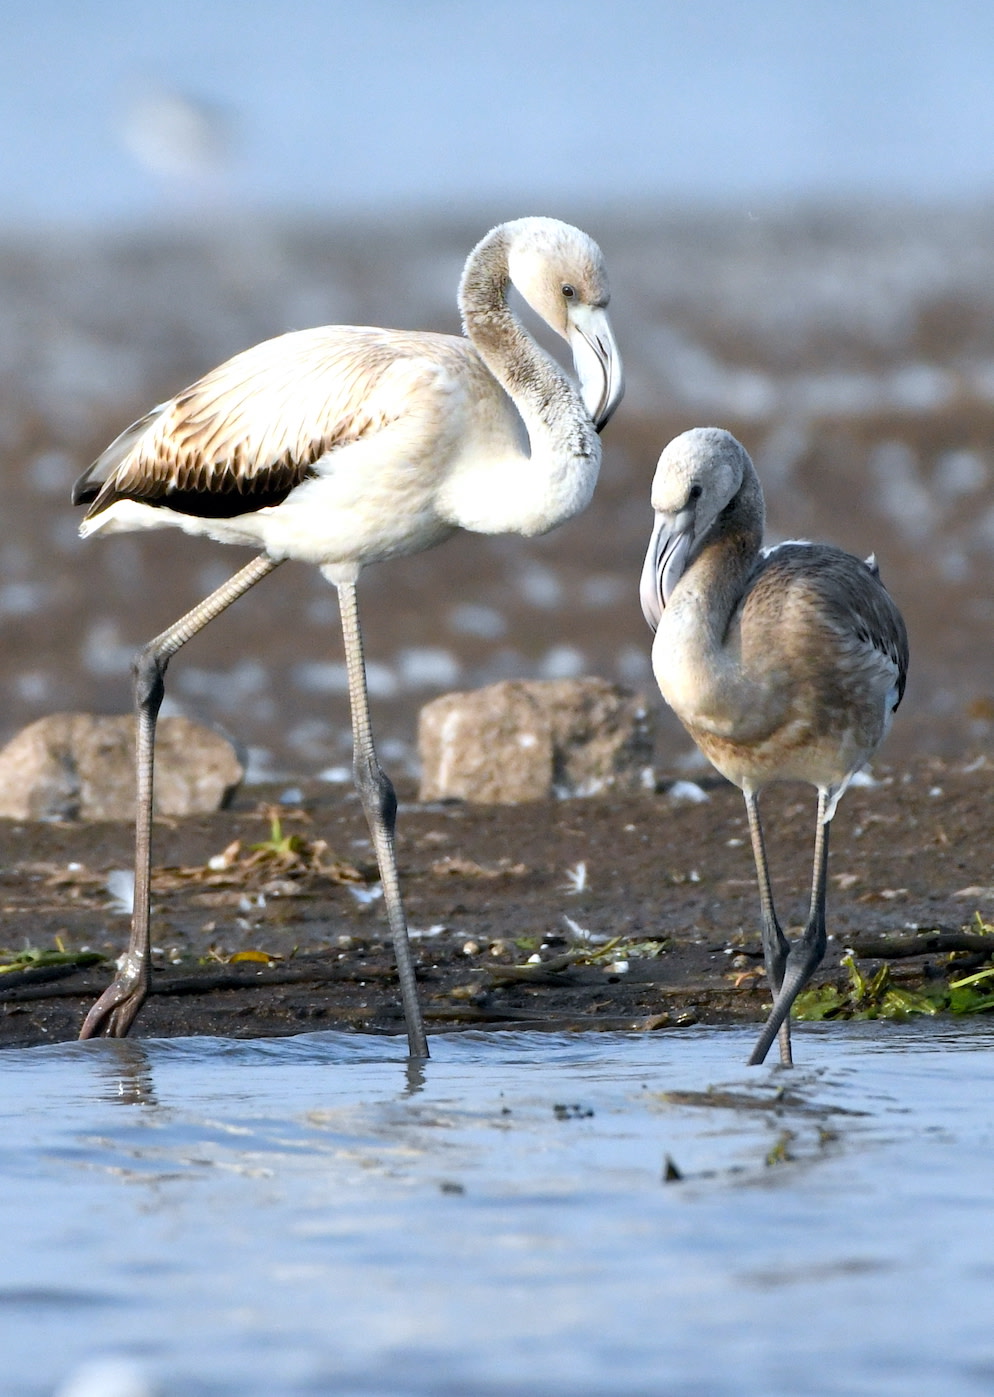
[665, 561]
[597, 362]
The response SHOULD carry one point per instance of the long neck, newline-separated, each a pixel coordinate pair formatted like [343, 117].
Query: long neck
[718, 573]
[695, 655]
[557, 480]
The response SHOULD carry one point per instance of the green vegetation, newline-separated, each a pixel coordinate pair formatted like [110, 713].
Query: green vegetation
[280, 847]
[967, 997]
[34, 957]
[619, 948]
[876, 997]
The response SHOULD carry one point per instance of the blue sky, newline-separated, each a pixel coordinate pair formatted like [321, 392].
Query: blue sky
[371, 104]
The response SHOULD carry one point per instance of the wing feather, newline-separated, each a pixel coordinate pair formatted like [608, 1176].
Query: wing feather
[868, 629]
[248, 432]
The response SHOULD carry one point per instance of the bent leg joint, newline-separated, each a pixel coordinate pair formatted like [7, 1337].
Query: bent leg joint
[149, 671]
[379, 799]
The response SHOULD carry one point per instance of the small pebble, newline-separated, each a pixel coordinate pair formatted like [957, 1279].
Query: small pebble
[689, 791]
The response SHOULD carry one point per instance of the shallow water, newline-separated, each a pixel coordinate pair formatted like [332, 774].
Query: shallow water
[312, 1215]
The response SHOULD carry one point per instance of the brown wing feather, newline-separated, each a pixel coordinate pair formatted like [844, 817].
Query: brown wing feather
[247, 433]
[850, 598]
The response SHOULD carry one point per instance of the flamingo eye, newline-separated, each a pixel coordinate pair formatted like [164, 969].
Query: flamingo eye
[568, 291]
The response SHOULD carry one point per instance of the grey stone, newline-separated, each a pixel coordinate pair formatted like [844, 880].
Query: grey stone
[72, 766]
[531, 739]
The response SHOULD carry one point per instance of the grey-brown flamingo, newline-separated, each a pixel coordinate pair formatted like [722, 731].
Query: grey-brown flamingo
[782, 664]
[347, 445]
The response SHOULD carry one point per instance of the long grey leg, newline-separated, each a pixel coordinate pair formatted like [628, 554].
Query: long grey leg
[380, 804]
[776, 947]
[808, 950]
[115, 1010]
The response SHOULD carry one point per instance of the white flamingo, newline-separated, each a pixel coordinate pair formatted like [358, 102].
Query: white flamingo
[782, 664]
[347, 445]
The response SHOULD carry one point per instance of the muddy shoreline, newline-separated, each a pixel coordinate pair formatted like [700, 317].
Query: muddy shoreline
[606, 913]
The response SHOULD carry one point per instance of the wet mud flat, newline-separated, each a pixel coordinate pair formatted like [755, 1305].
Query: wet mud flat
[604, 913]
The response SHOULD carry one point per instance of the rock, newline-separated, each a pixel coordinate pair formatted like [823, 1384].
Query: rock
[530, 739]
[73, 766]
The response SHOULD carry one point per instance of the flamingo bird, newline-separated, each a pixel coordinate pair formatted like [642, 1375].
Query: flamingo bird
[785, 663]
[347, 445]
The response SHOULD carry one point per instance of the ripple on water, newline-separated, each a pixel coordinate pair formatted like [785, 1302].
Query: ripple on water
[318, 1214]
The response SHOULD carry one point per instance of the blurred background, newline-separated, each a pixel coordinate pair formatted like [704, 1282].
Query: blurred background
[796, 205]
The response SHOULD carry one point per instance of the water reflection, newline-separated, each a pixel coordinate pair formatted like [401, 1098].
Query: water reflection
[126, 1068]
[414, 1072]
